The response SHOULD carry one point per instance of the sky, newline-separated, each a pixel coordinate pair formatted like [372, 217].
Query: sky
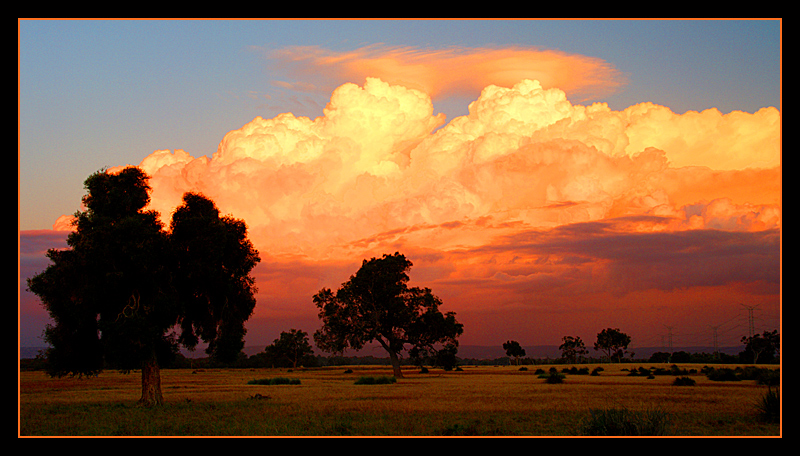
[546, 178]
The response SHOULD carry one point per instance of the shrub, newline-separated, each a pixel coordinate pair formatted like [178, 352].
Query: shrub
[683, 381]
[769, 407]
[274, 381]
[675, 370]
[383, 380]
[722, 375]
[769, 377]
[641, 371]
[554, 377]
[575, 371]
[624, 422]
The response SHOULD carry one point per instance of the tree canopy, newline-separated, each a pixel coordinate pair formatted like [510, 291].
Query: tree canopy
[514, 349]
[125, 285]
[572, 348]
[612, 342]
[289, 350]
[376, 304]
[762, 346]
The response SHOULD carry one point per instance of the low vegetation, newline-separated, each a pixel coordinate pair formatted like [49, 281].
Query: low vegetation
[382, 380]
[625, 422]
[475, 400]
[769, 406]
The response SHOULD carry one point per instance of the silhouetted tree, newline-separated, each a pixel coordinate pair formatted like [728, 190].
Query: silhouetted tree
[290, 349]
[212, 262]
[444, 357]
[117, 294]
[660, 357]
[612, 342]
[514, 349]
[764, 346]
[680, 357]
[572, 349]
[376, 304]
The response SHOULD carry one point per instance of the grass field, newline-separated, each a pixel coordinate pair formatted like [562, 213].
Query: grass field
[478, 401]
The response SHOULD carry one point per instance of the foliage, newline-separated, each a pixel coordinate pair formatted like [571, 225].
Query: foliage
[444, 357]
[762, 347]
[769, 377]
[763, 376]
[652, 371]
[214, 259]
[572, 349]
[124, 284]
[376, 304]
[290, 349]
[514, 349]
[684, 381]
[612, 342]
[553, 376]
[722, 375]
[575, 371]
[381, 380]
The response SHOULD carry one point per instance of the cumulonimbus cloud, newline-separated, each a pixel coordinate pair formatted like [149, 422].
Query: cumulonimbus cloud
[451, 71]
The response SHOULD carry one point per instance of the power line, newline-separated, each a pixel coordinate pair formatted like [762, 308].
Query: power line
[750, 323]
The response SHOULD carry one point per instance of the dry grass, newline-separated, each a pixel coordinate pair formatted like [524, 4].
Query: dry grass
[476, 401]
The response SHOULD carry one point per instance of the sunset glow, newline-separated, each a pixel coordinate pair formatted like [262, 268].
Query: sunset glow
[534, 216]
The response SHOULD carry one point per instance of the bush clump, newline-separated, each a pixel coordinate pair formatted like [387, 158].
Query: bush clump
[575, 371]
[625, 422]
[382, 380]
[769, 377]
[274, 381]
[724, 374]
[553, 378]
[762, 375]
[683, 381]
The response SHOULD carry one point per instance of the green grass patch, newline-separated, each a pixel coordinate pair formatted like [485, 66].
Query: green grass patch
[382, 380]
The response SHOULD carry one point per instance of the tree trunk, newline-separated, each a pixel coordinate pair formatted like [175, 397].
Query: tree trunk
[151, 383]
[395, 364]
[393, 357]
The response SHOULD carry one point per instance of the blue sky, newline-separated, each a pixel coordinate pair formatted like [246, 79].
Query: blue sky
[107, 93]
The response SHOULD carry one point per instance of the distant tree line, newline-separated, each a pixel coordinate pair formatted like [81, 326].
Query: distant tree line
[293, 350]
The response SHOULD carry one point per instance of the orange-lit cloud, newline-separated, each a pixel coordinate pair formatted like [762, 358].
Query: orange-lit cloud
[528, 204]
[443, 72]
